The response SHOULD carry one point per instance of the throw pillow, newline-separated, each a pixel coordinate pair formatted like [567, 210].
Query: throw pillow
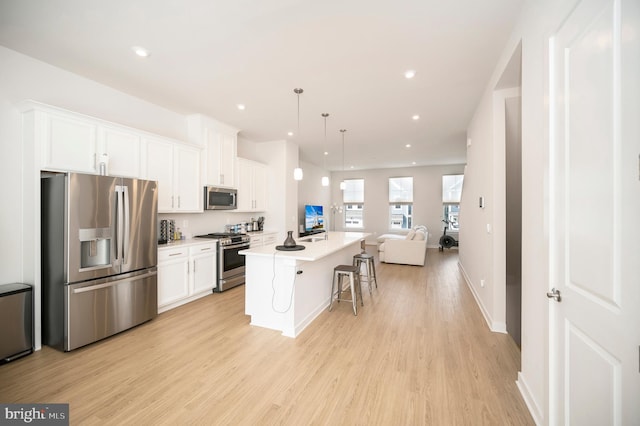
[420, 235]
[410, 235]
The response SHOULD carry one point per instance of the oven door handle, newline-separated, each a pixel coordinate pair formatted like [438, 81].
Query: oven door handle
[233, 246]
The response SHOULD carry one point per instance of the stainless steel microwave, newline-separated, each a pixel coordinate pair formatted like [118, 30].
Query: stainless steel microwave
[217, 198]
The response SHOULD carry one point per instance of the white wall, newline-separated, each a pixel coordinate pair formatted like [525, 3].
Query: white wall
[427, 197]
[537, 21]
[311, 191]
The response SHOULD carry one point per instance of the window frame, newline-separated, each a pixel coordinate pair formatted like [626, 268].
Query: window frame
[356, 204]
[402, 204]
[452, 203]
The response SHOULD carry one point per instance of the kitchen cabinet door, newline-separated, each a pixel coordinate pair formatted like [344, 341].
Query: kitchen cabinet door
[173, 276]
[123, 148]
[228, 149]
[203, 268]
[256, 241]
[245, 185]
[252, 185]
[269, 239]
[260, 179]
[176, 167]
[159, 167]
[68, 143]
[220, 142]
[188, 192]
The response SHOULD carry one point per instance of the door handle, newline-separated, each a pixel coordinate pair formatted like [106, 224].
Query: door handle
[554, 294]
[113, 283]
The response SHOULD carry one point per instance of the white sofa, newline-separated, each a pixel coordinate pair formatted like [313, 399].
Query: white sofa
[408, 250]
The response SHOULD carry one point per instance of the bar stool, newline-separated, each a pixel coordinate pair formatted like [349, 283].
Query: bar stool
[370, 267]
[340, 272]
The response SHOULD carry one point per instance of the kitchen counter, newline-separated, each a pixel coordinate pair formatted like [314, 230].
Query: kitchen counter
[287, 290]
[316, 246]
[186, 243]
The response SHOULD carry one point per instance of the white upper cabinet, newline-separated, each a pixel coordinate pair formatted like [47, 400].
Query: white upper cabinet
[123, 149]
[65, 142]
[158, 155]
[252, 186]
[220, 142]
[186, 172]
[68, 141]
[176, 167]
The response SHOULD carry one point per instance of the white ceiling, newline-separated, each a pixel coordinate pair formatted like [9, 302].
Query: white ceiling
[349, 56]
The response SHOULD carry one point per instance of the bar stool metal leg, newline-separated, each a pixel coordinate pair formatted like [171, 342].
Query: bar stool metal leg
[373, 269]
[333, 286]
[352, 285]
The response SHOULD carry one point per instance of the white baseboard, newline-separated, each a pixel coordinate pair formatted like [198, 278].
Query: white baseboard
[534, 409]
[495, 326]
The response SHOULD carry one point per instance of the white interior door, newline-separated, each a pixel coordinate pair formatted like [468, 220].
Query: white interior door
[595, 215]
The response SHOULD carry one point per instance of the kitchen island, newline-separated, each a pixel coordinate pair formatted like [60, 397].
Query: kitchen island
[287, 290]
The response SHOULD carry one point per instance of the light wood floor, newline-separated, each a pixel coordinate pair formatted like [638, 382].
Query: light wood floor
[418, 353]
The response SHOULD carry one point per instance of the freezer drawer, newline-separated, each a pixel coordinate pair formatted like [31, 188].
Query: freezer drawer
[101, 308]
[16, 321]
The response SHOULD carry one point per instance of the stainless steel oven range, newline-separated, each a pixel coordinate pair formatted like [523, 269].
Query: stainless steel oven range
[230, 263]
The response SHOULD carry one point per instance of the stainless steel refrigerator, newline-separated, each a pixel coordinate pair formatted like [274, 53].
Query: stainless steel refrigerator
[99, 256]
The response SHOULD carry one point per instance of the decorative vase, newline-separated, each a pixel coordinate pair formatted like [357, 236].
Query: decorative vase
[289, 242]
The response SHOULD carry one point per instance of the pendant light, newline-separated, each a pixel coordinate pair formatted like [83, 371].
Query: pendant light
[343, 184]
[297, 172]
[325, 179]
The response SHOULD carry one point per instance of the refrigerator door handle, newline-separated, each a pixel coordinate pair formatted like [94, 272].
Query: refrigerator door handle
[113, 283]
[127, 225]
[119, 220]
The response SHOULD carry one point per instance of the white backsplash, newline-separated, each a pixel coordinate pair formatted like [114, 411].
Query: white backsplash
[191, 224]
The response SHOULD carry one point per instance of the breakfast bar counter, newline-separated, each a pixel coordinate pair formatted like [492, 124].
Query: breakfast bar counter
[287, 290]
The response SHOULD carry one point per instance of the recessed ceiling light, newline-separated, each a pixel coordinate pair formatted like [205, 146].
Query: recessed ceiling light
[241, 107]
[326, 153]
[413, 163]
[410, 74]
[140, 51]
[416, 117]
[352, 167]
[408, 145]
[290, 133]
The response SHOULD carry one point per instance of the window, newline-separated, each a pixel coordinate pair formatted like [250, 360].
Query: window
[401, 203]
[353, 199]
[451, 194]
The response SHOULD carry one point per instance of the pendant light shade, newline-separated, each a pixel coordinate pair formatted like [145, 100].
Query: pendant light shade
[297, 172]
[325, 179]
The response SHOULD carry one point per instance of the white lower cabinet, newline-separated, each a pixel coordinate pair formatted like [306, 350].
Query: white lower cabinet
[185, 273]
[203, 275]
[263, 239]
[173, 276]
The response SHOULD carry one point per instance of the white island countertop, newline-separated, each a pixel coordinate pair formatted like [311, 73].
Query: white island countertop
[315, 249]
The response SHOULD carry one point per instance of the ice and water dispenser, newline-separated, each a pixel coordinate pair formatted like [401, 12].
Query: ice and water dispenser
[95, 248]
